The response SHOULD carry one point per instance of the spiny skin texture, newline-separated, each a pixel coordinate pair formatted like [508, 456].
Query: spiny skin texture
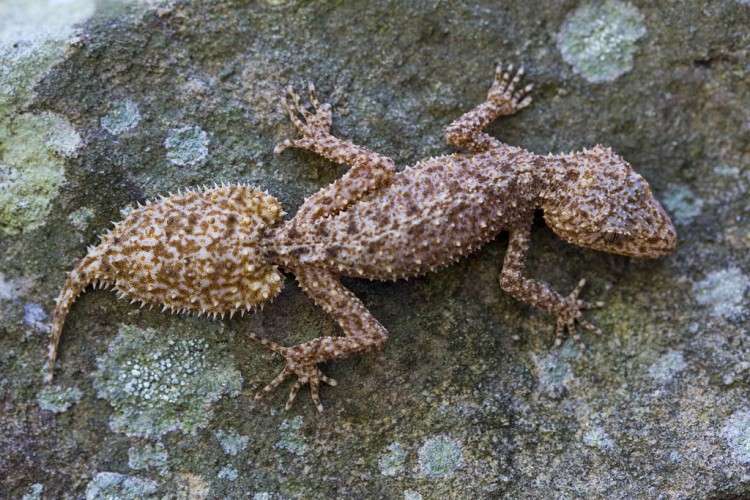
[381, 224]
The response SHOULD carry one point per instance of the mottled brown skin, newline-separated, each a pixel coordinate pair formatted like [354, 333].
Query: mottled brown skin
[376, 223]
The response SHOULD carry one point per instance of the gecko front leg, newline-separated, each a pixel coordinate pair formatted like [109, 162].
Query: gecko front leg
[369, 170]
[503, 99]
[362, 331]
[568, 310]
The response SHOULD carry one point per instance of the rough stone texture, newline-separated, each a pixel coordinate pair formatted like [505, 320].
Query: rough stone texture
[469, 398]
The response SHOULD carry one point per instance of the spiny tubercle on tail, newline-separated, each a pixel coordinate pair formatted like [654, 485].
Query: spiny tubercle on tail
[196, 251]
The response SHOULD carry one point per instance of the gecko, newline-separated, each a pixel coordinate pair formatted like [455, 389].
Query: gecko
[221, 250]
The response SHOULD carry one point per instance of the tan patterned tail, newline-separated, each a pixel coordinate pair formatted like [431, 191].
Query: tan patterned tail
[86, 272]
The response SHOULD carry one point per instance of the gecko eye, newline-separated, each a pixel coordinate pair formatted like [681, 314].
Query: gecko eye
[611, 238]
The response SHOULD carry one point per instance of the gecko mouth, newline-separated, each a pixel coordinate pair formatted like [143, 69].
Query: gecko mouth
[653, 241]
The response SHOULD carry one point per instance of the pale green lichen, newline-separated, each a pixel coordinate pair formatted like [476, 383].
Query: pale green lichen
[231, 442]
[440, 457]
[32, 167]
[736, 432]
[291, 437]
[186, 146]
[123, 116]
[32, 146]
[34, 493]
[724, 291]
[160, 381]
[56, 399]
[228, 473]
[149, 456]
[114, 486]
[598, 39]
[682, 204]
[392, 460]
[667, 366]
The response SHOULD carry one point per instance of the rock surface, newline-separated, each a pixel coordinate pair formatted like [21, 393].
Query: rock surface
[470, 398]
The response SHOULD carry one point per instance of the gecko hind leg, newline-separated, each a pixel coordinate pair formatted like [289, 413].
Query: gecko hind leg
[363, 333]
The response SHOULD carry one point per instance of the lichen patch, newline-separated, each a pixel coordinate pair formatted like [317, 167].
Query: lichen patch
[123, 116]
[158, 381]
[186, 146]
[599, 39]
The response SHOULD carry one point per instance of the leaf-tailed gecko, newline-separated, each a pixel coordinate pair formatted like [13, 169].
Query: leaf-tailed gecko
[217, 251]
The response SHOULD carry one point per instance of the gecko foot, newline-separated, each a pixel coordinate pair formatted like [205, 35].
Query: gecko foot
[300, 361]
[503, 91]
[313, 124]
[570, 314]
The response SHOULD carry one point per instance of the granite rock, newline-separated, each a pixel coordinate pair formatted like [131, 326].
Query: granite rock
[106, 103]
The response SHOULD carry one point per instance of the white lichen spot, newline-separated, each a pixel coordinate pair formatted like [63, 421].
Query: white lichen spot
[148, 456]
[34, 492]
[81, 218]
[723, 291]
[279, 3]
[160, 381]
[106, 485]
[682, 203]
[412, 495]
[392, 460]
[56, 399]
[263, 495]
[597, 437]
[186, 146]
[231, 442]
[228, 473]
[123, 116]
[727, 170]
[554, 372]
[736, 432]
[291, 437]
[667, 366]
[7, 288]
[13, 289]
[35, 317]
[440, 456]
[598, 39]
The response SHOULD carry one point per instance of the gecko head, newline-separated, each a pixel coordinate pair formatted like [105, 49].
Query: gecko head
[600, 202]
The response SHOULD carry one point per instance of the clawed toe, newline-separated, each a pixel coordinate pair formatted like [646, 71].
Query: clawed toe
[504, 89]
[307, 372]
[570, 317]
[310, 122]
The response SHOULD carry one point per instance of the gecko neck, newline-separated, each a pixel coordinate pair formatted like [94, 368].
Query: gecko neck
[558, 173]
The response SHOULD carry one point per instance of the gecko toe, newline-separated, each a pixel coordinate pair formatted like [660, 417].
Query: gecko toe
[293, 394]
[283, 375]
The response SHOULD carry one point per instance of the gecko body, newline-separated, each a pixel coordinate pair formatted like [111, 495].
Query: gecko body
[217, 251]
